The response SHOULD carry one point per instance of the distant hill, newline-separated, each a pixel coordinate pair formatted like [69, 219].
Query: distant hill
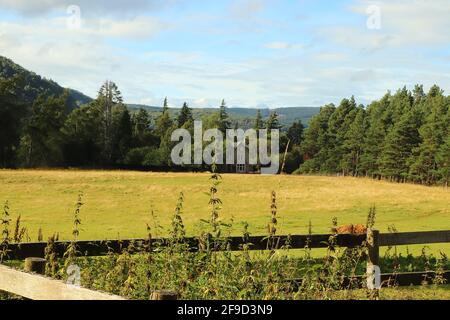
[244, 116]
[35, 84]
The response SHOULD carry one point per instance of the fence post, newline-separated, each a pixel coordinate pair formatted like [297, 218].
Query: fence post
[35, 265]
[164, 295]
[373, 261]
[373, 244]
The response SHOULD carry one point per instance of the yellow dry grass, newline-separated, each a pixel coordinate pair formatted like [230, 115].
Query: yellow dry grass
[120, 202]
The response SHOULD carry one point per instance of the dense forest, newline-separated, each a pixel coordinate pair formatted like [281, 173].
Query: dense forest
[402, 137]
[104, 133]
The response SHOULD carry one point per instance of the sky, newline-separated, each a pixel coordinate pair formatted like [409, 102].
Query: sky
[252, 53]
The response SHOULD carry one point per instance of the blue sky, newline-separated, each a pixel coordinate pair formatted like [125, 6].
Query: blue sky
[253, 53]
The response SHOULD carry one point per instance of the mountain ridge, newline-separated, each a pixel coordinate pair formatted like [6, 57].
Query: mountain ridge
[35, 84]
[287, 115]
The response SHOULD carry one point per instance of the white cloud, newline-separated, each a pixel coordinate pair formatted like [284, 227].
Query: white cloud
[248, 15]
[283, 45]
[247, 9]
[84, 58]
[80, 59]
[140, 27]
[404, 23]
[330, 56]
[357, 37]
[413, 21]
[88, 7]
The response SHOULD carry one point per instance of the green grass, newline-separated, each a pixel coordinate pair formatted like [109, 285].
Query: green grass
[119, 203]
[430, 292]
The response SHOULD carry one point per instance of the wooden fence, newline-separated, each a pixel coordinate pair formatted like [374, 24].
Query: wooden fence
[38, 287]
[32, 286]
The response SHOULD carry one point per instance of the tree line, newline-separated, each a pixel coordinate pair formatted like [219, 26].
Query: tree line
[401, 137]
[103, 133]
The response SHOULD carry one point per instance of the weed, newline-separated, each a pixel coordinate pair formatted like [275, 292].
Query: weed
[6, 238]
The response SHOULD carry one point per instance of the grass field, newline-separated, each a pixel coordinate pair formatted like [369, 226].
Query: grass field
[120, 203]
[402, 293]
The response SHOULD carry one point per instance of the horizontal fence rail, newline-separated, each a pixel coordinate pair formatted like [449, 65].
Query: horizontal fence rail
[37, 287]
[410, 238]
[101, 248]
[403, 279]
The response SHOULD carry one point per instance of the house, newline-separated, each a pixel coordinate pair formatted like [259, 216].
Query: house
[241, 168]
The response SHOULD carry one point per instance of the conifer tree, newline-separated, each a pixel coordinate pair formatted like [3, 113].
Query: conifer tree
[165, 105]
[273, 121]
[338, 125]
[354, 143]
[185, 115]
[375, 136]
[164, 122]
[259, 123]
[141, 125]
[443, 162]
[432, 133]
[123, 133]
[295, 133]
[163, 129]
[398, 146]
[315, 142]
[224, 122]
[109, 96]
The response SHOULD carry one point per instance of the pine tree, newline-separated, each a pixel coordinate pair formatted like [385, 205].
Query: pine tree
[165, 105]
[259, 123]
[398, 146]
[316, 141]
[443, 162]
[41, 144]
[401, 104]
[83, 136]
[123, 133]
[379, 121]
[224, 122]
[418, 94]
[424, 162]
[354, 143]
[339, 124]
[185, 115]
[164, 127]
[163, 122]
[109, 96]
[373, 145]
[141, 125]
[273, 121]
[295, 133]
[12, 113]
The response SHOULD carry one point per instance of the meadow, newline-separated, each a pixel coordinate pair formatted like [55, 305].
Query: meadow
[121, 203]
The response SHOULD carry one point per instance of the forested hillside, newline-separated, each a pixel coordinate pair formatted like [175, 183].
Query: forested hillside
[104, 132]
[401, 137]
[44, 125]
[30, 85]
